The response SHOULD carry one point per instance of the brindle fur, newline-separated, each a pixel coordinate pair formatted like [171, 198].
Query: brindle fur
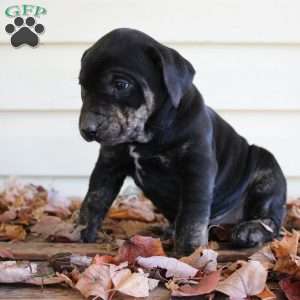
[190, 162]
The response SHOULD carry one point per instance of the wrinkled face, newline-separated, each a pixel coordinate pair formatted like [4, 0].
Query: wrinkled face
[116, 107]
[129, 85]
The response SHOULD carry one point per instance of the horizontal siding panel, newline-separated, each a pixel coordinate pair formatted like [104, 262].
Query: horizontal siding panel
[193, 21]
[230, 77]
[72, 186]
[49, 144]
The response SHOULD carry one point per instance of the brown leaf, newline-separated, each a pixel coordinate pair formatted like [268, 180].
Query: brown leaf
[139, 246]
[12, 232]
[28, 215]
[132, 205]
[266, 294]
[8, 215]
[203, 259]
[293, 214]
[75, 203]
[134, 227]
[249, 280]
[206, 285]
[54, 229]
[288, 265]
[103, 259]
[287, 246]
[265, 256]
[95, 281]
[291, 288]
[132, 284]
[174, 267]
[131, 214]
[58, 204]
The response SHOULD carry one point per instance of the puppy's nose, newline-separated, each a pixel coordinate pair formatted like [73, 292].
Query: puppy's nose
[90, 132]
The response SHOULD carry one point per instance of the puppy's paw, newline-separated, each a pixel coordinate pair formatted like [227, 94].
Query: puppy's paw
[88, 235]
[185, 249]
[250, 234]
[188, 241]
[83, 216]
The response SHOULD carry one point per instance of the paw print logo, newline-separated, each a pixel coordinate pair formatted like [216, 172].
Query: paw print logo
[24, 33]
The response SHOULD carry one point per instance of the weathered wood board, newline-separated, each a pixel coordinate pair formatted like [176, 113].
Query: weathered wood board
[42, 251]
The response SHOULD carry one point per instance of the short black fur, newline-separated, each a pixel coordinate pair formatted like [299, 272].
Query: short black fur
[190, 162]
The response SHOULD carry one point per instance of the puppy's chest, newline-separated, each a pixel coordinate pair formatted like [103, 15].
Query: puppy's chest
[149, 168]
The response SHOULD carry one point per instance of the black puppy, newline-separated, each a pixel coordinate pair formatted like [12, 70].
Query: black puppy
[139, 102]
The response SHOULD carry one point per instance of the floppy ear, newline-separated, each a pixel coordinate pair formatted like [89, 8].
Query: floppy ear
[178, 73]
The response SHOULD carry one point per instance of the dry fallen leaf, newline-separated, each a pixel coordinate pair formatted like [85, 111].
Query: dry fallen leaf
[54, 229]
[137, 285]
[132, 228]
[132, 205]
[202, 259]
[131, 214]
[8, 215]
[12, 271]
[104, 259]
[174, 267]
[206, 285]
[292, 220]
[266, 294]
[57, 204]
[95, 281]
[12, 232]
[287, 246]
[139, 246]
[288, 265]
[265, 256]
[131, 284]
[291, 288]
[249, 280]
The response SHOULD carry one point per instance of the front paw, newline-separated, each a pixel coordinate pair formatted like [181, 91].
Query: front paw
[88, 235]
[192, 238]
[250, 234]
[83, 216]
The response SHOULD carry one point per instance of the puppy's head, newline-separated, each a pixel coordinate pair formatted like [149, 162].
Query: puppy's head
[126, 78]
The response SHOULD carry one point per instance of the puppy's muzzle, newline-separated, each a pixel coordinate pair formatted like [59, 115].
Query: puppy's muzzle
[88, 125]
[89, 133]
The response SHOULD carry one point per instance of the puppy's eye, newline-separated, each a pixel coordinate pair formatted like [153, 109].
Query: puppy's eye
[121, 84]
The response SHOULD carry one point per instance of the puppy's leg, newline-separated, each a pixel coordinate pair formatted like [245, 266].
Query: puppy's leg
[191, 229]
[105, 183]
[264, 204]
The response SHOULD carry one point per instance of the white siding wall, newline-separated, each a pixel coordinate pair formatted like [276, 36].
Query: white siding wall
[246, 54]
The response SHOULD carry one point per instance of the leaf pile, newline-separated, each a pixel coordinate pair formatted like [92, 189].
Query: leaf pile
[293, 214]
[30, 212]
[141, 265]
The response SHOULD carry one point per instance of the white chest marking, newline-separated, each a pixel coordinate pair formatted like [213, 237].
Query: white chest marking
[138, 167]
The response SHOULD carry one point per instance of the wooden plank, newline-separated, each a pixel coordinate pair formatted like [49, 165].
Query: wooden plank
[197, 21]
[18, 292]
[42, 250]
[229, 77]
